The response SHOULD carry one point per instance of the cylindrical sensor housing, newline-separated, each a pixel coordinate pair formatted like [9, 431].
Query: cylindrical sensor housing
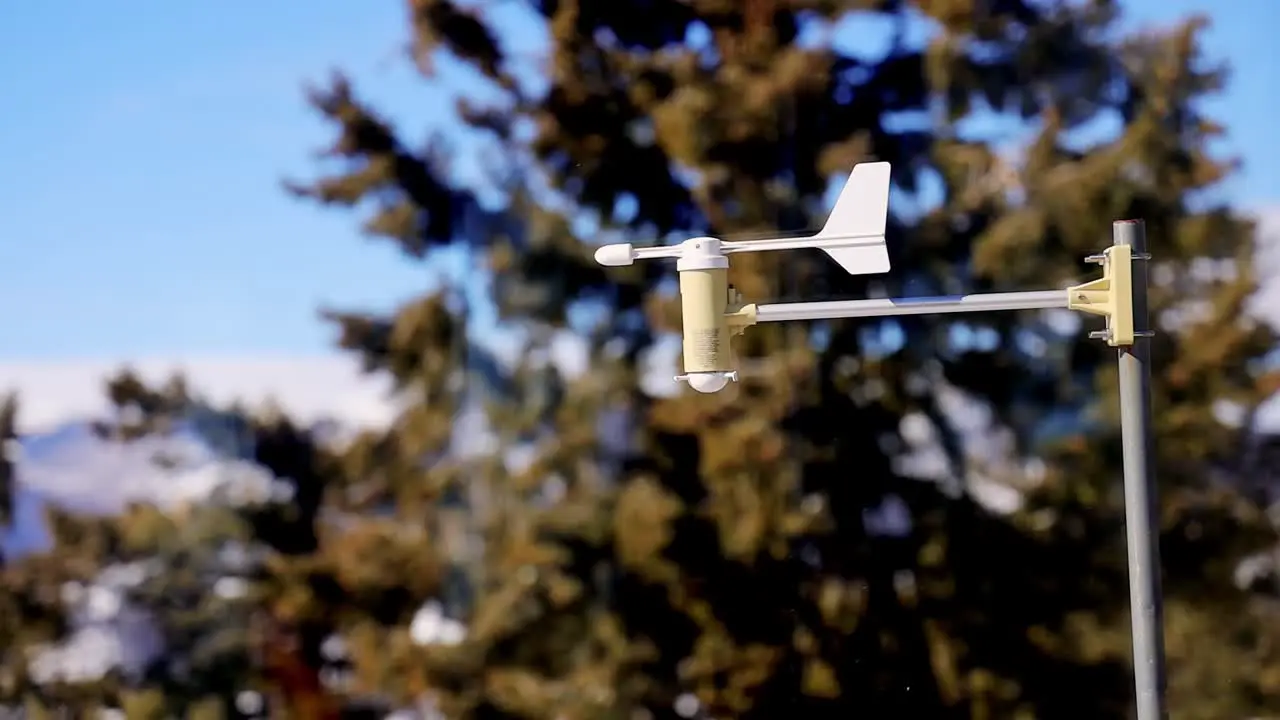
[704, 300]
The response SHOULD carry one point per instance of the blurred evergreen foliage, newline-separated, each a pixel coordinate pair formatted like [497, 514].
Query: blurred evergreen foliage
[617, 553]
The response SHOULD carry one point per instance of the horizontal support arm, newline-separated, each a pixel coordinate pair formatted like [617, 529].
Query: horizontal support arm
[983, 302]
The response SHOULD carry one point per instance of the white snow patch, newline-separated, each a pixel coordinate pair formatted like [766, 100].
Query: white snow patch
[231, 588]
[986, 448]
[107, 632]
[334, 648]
[687, 705]
[1267, 419]
[996, 496]
[250, 702]
[430, 626]
[1266, 303]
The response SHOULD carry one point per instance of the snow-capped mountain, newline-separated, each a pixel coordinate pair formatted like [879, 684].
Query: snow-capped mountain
[74, 468]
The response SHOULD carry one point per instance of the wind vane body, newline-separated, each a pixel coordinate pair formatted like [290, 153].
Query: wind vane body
[712, 312]
[854, 236]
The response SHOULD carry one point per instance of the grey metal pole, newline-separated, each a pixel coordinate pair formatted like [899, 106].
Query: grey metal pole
[1140, 494]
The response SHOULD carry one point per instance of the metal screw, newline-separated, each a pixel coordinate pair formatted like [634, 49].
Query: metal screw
[1101, 258]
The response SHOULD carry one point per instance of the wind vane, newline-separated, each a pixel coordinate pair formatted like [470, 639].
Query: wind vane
[854, 236]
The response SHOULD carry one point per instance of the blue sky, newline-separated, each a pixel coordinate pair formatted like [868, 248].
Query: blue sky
[143, 144]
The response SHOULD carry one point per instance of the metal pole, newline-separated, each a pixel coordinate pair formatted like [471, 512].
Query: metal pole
[1140, 494]
[982, 302]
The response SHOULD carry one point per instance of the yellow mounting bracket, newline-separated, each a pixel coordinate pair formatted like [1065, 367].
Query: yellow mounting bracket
[1110, 296]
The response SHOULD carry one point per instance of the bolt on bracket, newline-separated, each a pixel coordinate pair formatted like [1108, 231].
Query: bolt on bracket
[1110, 296]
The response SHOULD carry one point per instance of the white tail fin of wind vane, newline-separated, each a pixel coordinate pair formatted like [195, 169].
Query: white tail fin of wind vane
[854, 233]
[859, 218]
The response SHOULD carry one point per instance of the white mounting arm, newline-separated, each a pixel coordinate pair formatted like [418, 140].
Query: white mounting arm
[985, 302]
[854, 237]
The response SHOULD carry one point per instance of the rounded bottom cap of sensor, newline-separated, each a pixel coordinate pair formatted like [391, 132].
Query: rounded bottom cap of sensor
[708, 382]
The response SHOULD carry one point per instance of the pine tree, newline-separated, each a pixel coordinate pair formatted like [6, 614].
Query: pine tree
[723, 546]
[215, 583]
[26, 615]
